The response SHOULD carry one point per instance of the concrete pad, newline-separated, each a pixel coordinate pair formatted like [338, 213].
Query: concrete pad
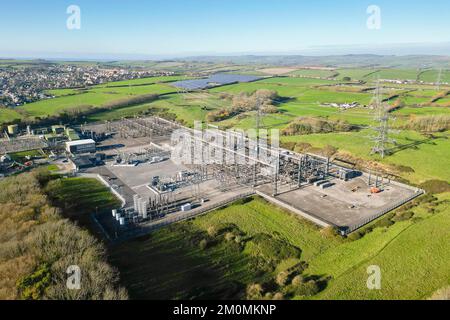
[345, 203]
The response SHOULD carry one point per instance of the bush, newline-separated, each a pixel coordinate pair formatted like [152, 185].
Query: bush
[254, 291]
[268, 251]
[436, 186]
[203, 244]
[403, 216]
[268, 296]
[307, 289]
[33, 286]
[302, 147]
[244, 102]
[298, 280]
[278, 296]
[309, 125]
[433, 123]
[282, 278]
[384, 223]
[355, 235]
[229, 236]
[212, 231]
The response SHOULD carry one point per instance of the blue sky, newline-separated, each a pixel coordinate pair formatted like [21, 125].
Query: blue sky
[187, 27]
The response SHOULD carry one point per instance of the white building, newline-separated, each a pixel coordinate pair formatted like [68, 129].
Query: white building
[81, 146]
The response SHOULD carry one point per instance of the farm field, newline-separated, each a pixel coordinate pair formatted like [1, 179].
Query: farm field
[96, 97]
[313, 73]
[9, 115]
[353, 74]
[414, 146]
[393, 74]
[432, 76]
[304, 96]
[142, 81]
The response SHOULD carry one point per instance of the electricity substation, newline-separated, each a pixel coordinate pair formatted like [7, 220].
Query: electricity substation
[164, 172]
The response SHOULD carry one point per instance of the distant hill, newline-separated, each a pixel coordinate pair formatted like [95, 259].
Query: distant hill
[342, 61]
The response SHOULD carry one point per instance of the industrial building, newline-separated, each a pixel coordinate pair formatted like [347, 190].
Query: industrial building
[158, 190]
[81, 146]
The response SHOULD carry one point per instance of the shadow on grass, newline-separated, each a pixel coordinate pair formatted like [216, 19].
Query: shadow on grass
[414, 144]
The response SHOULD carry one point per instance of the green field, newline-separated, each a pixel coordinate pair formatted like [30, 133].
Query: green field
[90, 194]
[9, 115]
[393, 74]
[432, 76]
[143, 81]
[413, 264]
[315, 73]
[95, 97]
[22, 156]
[353, 74]
[417, 147]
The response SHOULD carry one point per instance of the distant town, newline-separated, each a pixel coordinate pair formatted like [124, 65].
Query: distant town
[19, 86]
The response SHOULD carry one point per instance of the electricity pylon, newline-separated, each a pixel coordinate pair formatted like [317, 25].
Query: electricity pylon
[382, 140]
[439, 79]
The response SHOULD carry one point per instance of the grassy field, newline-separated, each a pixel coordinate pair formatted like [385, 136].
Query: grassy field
[96, 97]
[353, 74]
[143, 81]
[180, 270]
[80, 197]
[417, 147]
[9, 115]
[413, 263]
[432, 76]
[317, 73]
[393, 74]
[22, 156]
[165, 266]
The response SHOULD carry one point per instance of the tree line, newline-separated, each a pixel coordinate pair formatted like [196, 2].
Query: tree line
[37, 245]
[245, 102]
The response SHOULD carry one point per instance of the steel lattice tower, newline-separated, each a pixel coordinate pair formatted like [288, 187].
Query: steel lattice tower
[382, 140]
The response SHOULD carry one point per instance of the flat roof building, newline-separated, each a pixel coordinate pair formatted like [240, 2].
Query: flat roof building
[82, 162]
[81, 146]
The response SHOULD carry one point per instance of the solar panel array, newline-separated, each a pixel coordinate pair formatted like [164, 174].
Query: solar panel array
[215, 80]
